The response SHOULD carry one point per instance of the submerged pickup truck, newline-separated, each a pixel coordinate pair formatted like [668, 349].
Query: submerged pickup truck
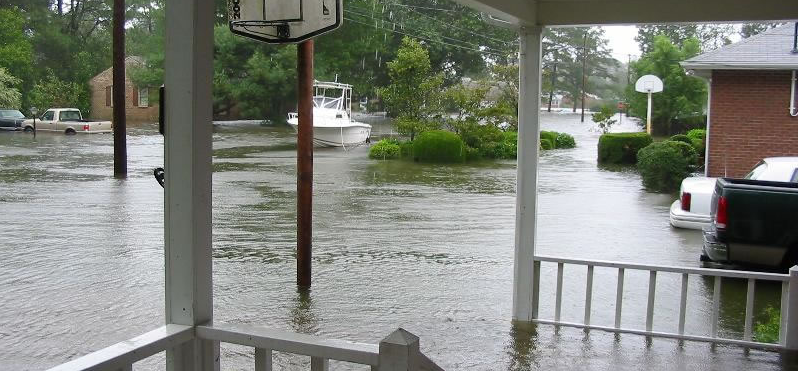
[11, 119]
[67, 120]
[754, 223]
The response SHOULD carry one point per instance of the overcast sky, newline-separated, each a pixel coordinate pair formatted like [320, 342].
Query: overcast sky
[622, 42]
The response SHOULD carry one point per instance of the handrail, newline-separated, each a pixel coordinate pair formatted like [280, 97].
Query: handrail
[669, 268]
[284, 341]
[789, 283]
[122, 355]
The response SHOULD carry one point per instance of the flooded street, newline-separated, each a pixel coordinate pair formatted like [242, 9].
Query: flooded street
[397, 244]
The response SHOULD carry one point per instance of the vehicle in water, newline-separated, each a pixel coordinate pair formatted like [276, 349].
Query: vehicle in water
[67, 120]
[11, 120]
[753, 223]
[332, 117]
[691, 210]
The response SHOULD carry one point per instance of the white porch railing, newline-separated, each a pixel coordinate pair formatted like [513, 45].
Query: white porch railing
[789, 289]
[398, 351]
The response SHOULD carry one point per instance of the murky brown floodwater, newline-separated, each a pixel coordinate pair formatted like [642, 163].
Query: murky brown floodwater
[397, 244]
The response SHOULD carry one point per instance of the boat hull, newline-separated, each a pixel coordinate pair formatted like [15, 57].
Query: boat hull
[338, 136]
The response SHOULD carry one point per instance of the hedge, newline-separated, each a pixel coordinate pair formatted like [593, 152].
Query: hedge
[681, 138]
[621, 148]
[698, 138]
[663, 165]
[385, 149]
[546, 144]
[438, 146]
[687, 151]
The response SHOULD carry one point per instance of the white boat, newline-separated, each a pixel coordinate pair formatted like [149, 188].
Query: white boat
[332, 117]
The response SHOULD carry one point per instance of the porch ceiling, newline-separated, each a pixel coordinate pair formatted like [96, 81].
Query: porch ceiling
[602, 12]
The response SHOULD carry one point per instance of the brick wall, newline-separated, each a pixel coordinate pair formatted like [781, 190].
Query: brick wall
[749, 120]
[101, 110]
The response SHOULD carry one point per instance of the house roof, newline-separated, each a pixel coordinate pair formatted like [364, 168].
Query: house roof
[769, 50]
[129, 61]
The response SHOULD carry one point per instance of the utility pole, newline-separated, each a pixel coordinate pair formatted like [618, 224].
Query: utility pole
[553, 79]
[119, 124]
[304, 160]
[584, 74]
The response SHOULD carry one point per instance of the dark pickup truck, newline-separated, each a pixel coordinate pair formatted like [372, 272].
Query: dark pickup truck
[754, 223]
[11, 119]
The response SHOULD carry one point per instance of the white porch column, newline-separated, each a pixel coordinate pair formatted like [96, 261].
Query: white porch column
[188, 82]
[525, 285]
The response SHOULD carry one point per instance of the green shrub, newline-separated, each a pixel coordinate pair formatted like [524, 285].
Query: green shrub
[472, 154]
[681, 138]
[546, 144]
[564, 140]
[768, 332]
[511, 136]
[406, 149]
[662, 166]
[686, 150]
[621, 148]
[438, 146]
[385, 149]
[476, 135]
[697, 134]
[550, 135]
[698, 140]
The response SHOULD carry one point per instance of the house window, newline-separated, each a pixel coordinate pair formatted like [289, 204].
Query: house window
[144, 97]
[109, 102]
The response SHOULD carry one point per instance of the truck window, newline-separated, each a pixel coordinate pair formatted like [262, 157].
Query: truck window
[48, 116]
[757, 172]
[70, 116]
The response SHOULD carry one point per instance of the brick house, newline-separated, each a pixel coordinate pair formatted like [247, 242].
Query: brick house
[140, 108]
[750, 115]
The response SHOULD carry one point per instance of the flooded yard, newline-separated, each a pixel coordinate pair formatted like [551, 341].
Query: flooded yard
[397, 244]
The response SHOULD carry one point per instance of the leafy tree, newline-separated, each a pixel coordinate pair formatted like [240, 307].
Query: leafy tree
[16, 49]
[751, 29]
[10, 97]
[682, 95]
[467, 104]
[710, 36]
[604, 118]
[414, 93]
[52, 92]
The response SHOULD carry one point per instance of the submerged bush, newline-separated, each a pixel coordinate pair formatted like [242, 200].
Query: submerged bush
[663, 165]
[768, 331]
[621, 148]
[475, 135]
[406, 149]
[550, 135]
[564, 140]
[385, 149]
[438, 146]
[546, 144]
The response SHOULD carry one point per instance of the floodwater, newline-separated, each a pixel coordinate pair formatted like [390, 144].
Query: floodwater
[397, 244]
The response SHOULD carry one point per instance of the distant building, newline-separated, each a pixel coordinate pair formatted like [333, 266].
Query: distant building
[139, 106]
[750, 86]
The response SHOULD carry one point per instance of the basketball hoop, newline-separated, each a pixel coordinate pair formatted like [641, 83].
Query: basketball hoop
[284, 21]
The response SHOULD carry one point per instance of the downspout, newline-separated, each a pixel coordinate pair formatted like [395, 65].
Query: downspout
[709, 121]
[793, 109]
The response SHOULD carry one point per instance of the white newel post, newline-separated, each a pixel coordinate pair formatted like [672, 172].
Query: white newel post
[188, 151]
[525, 285]
[791, 332]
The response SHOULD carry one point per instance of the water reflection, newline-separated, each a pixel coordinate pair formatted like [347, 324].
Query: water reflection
[521, 348]
[303, 313]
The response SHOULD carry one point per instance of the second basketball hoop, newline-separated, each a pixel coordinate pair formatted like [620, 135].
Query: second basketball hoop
[284, 21]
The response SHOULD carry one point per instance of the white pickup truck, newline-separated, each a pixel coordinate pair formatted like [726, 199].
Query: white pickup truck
[67, 120]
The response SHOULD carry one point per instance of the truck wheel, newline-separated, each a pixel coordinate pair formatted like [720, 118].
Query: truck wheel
[704, 258]
[28, 129]
[70, 132]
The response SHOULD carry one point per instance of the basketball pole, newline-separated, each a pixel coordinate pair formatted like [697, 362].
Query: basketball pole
[304, 185]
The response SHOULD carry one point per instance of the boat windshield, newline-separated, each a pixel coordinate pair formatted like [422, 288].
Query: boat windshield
[327, 102]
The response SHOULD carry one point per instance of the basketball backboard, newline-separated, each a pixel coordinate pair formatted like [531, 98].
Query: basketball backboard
[648, 84]
[284, 21]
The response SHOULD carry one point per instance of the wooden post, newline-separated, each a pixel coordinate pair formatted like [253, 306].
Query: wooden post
[119, 125]
[304, 160]
[399, 351]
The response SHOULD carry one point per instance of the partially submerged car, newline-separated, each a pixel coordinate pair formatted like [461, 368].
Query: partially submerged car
[11, 120]
[692, 209]
[67, 120]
